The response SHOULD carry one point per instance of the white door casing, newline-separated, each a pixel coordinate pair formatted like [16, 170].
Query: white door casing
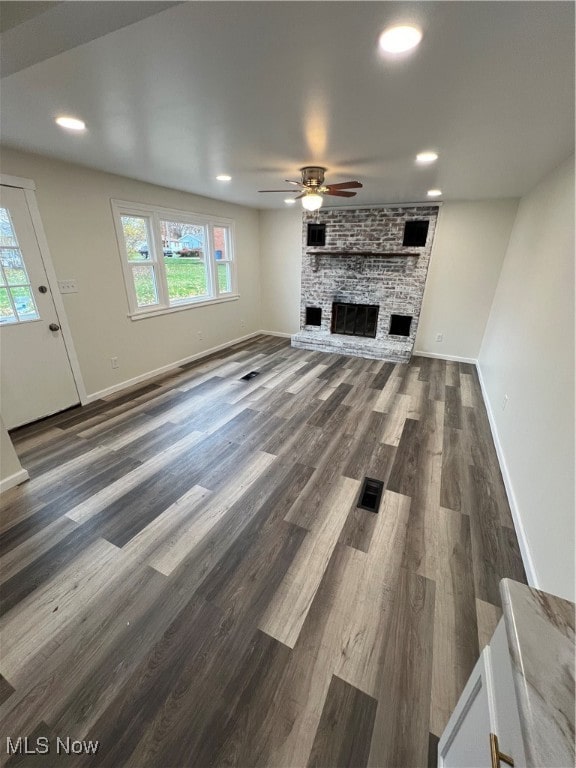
[36, 372]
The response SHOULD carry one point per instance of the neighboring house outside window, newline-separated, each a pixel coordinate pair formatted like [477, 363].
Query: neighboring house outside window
[173, 259]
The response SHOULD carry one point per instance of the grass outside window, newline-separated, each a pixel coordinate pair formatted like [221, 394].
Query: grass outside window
[186, 278]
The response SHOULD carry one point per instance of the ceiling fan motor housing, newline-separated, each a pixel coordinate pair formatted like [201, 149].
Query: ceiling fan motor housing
[313, 175]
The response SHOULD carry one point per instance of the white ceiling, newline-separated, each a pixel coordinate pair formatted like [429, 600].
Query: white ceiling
[258, 89]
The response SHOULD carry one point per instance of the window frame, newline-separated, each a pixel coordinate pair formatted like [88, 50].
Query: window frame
[154, 215]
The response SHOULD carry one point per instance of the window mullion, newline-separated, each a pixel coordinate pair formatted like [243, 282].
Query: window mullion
[159, 266]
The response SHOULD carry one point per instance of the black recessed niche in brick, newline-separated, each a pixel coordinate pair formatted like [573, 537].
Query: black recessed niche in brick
[316, 234]
[415, 233]
[400, 325]
[313, 316]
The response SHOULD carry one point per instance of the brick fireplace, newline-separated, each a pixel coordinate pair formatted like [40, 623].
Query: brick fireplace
[362, 287]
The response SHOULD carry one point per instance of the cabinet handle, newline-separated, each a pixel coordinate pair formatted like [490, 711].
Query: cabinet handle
[498, 756]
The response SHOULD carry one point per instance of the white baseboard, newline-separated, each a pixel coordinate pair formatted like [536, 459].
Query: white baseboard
[438, 356]
[16, 479]
[278, 333]
[529, 567]
[166, 368]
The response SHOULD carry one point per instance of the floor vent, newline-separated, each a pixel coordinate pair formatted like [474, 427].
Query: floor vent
[370, 494]
[249, 376]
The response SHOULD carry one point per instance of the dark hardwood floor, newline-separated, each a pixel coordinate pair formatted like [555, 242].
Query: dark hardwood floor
[187, 579]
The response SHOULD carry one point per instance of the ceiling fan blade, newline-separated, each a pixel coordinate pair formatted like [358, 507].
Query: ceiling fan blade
[276, 190]
[340, 193]
[345, 185]
[297, 183]
[302, 194]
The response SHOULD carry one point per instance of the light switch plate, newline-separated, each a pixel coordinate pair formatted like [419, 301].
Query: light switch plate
[67, 286]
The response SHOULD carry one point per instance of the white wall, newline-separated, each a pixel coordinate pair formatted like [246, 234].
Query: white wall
[75, 207]
[528, 354]
[469, 248]
[11, 472]
[280, 268]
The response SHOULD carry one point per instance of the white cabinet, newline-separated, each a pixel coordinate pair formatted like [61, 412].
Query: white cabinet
[487, 706]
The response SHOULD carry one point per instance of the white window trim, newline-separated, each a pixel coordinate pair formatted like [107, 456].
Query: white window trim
[154, 214]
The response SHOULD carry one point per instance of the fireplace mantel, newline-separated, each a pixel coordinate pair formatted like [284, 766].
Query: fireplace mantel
[384, 254]
[359, 254]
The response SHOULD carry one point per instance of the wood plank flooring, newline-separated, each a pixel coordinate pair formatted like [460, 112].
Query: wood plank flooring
[187, 579]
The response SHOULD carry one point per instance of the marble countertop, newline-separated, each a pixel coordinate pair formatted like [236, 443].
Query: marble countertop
[540, 630]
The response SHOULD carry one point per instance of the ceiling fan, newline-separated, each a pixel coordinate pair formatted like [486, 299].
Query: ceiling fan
[314, 189]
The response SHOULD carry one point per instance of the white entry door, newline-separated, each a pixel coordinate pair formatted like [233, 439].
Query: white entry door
[35, 374]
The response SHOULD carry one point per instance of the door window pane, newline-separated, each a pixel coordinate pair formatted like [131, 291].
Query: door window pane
[136, 237]
[145, 285]
[16, 303]
[7, 234]
[184, 260]
[16, 276]
[6, 312]
[24, 303]
[11, 258]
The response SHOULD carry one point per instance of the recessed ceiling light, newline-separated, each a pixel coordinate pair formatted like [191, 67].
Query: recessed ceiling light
[426, 157]
[290, 201]
[224, 177]
[72, 123]
[400, 39]
[434, 192]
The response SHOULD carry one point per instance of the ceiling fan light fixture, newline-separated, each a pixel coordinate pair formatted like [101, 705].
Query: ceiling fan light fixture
[312, 201]
[399, 39]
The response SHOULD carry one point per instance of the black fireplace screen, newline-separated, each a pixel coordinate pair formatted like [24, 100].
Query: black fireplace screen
[354, 319]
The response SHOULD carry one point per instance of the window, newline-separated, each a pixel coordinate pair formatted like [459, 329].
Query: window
[173, 260]
[17, 303]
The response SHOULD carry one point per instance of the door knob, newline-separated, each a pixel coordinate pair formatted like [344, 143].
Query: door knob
[54, 327]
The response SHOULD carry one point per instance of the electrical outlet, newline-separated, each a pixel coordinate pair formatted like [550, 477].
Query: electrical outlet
[68, 286]
[242, 323]
[505, 402]
[439, 337]
[114, 362]
[200, 335]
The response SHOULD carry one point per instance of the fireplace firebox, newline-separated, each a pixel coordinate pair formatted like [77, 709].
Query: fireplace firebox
[354, 319]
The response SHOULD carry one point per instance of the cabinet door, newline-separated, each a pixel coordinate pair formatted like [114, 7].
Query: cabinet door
[506, 706]
[465, 742]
